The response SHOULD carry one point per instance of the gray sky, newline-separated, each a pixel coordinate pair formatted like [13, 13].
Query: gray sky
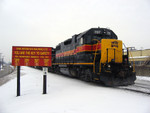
[49, 22]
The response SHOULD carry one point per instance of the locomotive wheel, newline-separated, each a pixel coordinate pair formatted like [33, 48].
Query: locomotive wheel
[88, 75]
[73, 72]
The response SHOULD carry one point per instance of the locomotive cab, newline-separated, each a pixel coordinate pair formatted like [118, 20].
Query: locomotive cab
[90, 36]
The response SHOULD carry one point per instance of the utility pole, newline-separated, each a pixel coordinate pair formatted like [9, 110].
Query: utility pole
[141, 51]
[0, 61]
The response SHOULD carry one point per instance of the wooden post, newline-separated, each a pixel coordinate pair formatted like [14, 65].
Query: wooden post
[18, 80]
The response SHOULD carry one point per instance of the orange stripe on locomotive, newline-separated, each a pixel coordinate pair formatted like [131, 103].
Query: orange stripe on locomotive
[79, 49]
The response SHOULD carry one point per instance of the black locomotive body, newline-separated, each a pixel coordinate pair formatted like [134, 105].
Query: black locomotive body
[94, 55]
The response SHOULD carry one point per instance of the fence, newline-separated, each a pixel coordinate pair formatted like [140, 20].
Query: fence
[142, 70]
[7, 69]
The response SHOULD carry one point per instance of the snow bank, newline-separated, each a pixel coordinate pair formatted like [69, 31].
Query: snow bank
[67, 95]
[143, 78]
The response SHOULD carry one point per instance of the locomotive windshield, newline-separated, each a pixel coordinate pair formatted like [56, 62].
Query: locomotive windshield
[99, 34]
[104, 34]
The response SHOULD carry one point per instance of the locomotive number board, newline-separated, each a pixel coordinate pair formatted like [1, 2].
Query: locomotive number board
[31, 56]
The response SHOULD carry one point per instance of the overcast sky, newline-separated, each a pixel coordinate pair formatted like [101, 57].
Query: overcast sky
[49, 22]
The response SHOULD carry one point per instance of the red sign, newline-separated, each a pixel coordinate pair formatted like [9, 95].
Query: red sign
[31, 56]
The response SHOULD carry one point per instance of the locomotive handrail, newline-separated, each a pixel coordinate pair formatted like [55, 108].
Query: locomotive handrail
[107, 53]
[132, 59]
[95, 55]
[131, 56]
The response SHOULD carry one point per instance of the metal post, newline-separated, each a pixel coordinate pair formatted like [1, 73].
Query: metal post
[128, 55]
[141, 50]
[18, 80]
[45, 69]
[0, 60]
[44, 84]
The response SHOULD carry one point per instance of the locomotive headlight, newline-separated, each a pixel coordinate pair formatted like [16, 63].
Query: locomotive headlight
[130, 66]
[108, 66]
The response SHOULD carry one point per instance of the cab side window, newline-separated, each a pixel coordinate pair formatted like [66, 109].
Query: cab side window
[88, 39]
[81, 41]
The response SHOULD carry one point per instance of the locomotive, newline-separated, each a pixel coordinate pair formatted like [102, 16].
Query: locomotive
[94, 55]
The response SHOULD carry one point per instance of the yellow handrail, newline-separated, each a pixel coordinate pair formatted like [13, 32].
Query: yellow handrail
[95, 55]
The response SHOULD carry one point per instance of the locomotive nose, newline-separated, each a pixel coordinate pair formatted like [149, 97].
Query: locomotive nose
[111, 50]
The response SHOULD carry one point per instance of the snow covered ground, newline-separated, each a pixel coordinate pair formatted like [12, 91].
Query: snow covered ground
[143, 78]
[67, 95]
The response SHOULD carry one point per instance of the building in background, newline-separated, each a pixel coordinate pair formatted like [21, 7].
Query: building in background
[139, 57]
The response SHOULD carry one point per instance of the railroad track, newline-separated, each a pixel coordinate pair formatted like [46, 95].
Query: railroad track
[139, 87]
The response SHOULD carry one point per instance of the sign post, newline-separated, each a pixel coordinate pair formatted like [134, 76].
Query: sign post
[18, 80]
[31, 56]
[45, 69]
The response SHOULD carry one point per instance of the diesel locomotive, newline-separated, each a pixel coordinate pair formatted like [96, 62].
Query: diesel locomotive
[94, 55]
